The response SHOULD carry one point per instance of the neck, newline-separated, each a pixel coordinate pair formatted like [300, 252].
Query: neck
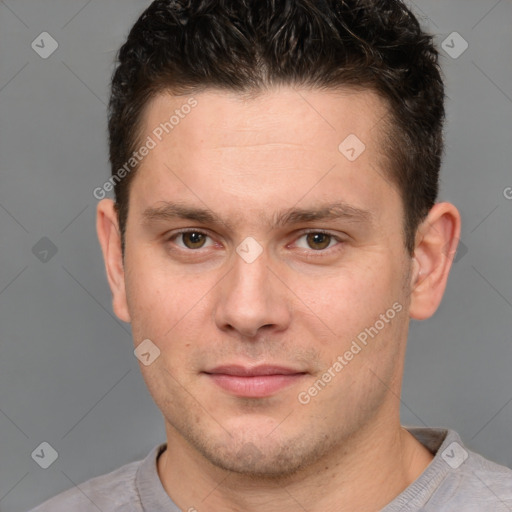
[364, 473]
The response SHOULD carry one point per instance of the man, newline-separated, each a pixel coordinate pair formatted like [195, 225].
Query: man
[276, 167]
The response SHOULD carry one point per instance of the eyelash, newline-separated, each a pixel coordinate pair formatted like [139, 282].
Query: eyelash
[309, 254]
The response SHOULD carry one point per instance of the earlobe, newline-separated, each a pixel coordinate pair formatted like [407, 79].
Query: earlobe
[107, 228]
[436, 243]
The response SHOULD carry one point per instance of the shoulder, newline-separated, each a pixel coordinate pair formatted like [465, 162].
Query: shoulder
[471, 482]
[477, 484]
[457, 479]
[111, 492]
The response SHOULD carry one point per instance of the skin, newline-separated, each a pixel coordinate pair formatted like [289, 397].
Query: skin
[246, 159]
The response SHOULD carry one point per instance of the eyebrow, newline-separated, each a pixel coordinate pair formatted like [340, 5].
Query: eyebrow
[330, 211]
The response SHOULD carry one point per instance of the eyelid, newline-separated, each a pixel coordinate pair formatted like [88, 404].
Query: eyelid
[312, 253]
[321, 231]
[182, 231]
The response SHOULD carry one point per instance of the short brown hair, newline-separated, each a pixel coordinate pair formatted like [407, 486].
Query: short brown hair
[188, 46]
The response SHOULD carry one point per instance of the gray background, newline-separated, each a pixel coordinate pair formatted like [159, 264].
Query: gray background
[67, 371]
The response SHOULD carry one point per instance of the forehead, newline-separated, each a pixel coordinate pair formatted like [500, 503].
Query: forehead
[280, 115]
[279, 148]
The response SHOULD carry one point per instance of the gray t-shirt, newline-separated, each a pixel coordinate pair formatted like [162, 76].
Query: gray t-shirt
[456, 480]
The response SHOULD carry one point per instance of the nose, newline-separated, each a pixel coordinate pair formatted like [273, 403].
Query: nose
[251, 298]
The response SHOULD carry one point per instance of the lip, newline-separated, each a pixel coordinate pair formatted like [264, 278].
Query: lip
[254, 382]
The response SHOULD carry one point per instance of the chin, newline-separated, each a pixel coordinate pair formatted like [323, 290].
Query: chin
[263, 458]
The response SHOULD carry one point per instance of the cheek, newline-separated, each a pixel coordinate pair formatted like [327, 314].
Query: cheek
[362, 287]
[165, 305]
[354, 300]
[153, 299]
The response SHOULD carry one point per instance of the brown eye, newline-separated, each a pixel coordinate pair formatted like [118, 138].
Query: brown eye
[318, 241]
[193, 239]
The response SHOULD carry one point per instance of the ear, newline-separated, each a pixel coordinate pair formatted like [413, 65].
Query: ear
[109, 236]
[436, 243]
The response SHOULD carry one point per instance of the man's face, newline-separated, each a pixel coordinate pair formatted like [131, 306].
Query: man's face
[299, 304]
